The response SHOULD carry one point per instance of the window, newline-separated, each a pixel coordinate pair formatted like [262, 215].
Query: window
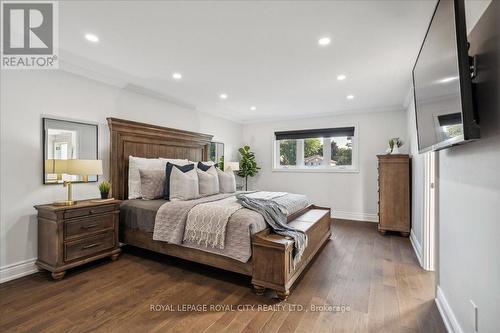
[327, 149]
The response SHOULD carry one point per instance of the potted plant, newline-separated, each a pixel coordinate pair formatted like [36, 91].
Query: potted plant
[104, 188]
[248, 164]
[394, 145]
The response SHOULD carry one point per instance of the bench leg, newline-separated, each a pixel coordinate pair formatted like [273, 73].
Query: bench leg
[259, 290]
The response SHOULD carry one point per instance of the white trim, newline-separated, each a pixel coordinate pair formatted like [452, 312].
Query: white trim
[17, 270]
[382, 109]
[449, 319]
[417, 248]
[365, 217]
[429, 212]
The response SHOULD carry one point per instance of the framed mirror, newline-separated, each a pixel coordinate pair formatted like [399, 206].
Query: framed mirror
[216, 151]
[67, 140]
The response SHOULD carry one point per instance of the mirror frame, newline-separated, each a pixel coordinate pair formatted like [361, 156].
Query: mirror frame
[44, 150]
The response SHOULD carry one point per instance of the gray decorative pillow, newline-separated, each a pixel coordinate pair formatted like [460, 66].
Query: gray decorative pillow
[208, 181]
[152, 183]
[227, 182]
[184, 185]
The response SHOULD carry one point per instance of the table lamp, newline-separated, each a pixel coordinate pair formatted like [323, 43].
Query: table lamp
[75, 168]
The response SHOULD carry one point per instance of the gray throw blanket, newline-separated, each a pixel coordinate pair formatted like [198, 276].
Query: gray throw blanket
[277, 220]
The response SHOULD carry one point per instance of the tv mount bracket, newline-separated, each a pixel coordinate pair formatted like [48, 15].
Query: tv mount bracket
[473, 66]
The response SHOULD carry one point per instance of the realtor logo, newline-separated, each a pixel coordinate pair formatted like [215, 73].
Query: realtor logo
[29, 35]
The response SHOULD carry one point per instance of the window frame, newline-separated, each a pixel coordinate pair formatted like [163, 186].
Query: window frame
[276, 167]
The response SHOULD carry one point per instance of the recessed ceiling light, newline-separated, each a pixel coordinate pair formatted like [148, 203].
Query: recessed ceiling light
[177, 76]
[253, 108]
[223, 96]
[324, 41]
[341, 77]
[91, 38]
[350, 97]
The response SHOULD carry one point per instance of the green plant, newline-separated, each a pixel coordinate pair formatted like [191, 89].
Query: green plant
[104, 187]
[248, 164]
[395, 142]
[221, 163]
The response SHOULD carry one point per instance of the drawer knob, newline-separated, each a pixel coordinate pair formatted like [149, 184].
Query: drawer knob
[90, 246]
[88, 226]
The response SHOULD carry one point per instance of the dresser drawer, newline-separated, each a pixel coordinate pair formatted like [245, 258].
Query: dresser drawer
[88, 246]
[71, 213]
[88, 225]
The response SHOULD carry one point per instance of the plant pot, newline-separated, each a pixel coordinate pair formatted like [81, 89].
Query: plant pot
[104, 195]
[395, 150]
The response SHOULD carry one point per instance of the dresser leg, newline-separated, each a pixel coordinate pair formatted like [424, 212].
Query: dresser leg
[259, 290]
[115, 256]
[283, 295]
[58, 275]
[405, 234]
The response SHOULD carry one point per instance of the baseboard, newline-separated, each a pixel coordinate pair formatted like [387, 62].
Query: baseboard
[417, 248]
[355, 216]
[449, 319]
[17, 270]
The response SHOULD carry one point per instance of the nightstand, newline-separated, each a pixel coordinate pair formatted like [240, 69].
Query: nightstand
[69, 236]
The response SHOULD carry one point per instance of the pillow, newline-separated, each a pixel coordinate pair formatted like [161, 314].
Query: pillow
[208, 181]
[152, 183]
[206, 165]
[136, 163]
[227, 182]
[184, 185]
[168, 171]
[176, 161]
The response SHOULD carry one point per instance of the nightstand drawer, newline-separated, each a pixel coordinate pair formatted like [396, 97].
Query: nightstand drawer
[88, 225]
[88, 246]
[88, 211]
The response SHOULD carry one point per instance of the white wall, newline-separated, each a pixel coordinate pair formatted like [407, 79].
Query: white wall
[26, 96]
[350, 195]
[469, 200]
[417, 186]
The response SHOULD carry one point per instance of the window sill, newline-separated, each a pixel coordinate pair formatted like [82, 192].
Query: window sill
[316, 170]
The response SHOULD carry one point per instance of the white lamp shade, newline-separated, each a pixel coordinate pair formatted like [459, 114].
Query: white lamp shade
[74, 167]
[234, 166]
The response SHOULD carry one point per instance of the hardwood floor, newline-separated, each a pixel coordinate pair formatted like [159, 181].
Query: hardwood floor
[377, 277]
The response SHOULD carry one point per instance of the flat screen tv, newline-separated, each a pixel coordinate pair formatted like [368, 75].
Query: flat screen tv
[442, 82]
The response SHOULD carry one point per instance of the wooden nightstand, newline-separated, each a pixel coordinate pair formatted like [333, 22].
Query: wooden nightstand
[69, 236]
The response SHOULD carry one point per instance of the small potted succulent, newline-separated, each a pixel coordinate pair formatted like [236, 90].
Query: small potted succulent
[394, 145]
[104, 188]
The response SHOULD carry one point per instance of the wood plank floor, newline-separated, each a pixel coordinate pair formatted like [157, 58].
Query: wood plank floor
[376, 278]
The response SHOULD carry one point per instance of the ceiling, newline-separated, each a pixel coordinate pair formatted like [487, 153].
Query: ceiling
[262, 54]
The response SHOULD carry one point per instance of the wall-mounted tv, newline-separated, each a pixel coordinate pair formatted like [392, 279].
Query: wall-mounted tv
[442, 81]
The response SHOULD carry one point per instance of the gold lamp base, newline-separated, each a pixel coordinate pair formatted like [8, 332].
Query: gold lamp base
[70, 201]
[64, 203]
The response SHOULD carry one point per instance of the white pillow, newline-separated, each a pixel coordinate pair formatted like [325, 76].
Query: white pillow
[184, 185]
[175, 161]
[227, 182]
[136, 163]
[208, 181]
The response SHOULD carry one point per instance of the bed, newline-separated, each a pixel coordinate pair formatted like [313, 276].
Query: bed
[263, 255]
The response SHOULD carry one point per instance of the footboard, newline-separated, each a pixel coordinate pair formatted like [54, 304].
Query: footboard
[272, 254]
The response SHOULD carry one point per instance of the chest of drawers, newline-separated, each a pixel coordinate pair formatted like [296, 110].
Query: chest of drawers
[69, 236]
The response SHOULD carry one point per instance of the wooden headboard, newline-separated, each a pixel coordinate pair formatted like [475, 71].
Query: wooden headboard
[150, 141]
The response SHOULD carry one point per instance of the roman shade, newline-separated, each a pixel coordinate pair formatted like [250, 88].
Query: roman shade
[315, 133]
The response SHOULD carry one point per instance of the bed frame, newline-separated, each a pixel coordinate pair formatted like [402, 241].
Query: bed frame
[271, 265]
